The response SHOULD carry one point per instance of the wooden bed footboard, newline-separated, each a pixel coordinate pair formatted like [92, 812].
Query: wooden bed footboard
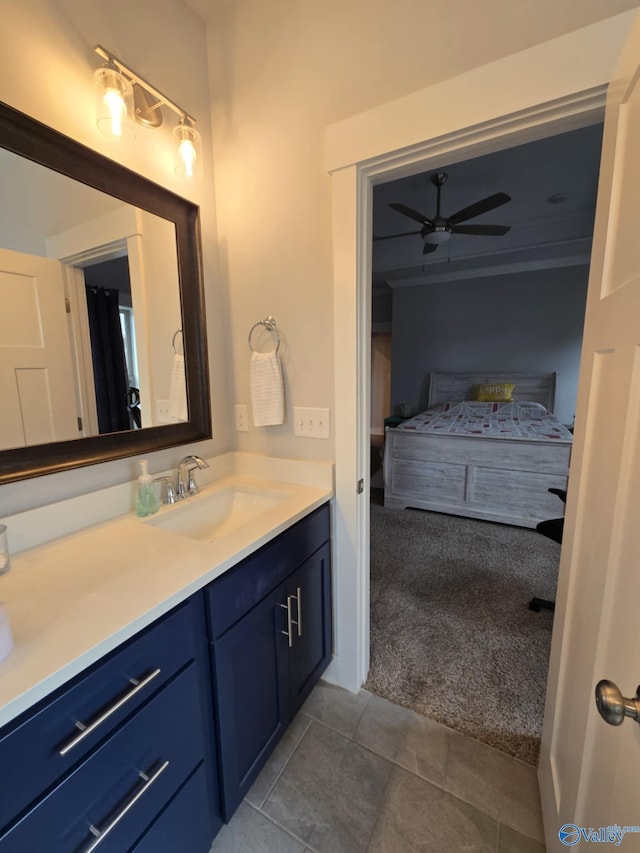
[502, 480]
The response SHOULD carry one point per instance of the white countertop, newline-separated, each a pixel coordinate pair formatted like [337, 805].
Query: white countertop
[75, 599]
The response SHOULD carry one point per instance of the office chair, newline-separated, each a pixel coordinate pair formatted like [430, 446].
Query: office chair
[553, 528]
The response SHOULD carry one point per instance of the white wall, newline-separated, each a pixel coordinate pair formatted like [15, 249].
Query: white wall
[280, 73]
[46, 67]
[519, 322]
[43, 203]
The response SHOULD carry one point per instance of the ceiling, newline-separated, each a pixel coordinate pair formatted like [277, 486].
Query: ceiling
[206, 8]
[542, 234]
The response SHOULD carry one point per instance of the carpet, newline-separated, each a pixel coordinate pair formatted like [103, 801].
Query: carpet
[451, 633]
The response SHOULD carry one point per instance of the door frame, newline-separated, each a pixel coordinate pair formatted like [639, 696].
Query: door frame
[103, 238]
[454, 119]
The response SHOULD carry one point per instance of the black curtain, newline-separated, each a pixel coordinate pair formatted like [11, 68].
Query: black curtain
[109, 363]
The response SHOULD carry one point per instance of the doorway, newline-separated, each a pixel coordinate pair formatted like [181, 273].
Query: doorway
[512, 302]
[454, 119]
[113, 344]
[424, 128]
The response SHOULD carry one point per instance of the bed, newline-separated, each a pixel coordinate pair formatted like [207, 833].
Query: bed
[493, 461]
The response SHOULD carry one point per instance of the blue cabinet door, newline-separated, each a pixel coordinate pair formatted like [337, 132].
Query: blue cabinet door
[310, 653]
[250, 674]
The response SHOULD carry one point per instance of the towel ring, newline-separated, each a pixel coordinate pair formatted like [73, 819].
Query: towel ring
[270, 324]
[173, 340]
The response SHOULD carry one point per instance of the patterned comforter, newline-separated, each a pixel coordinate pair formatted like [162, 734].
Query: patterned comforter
[496, 420]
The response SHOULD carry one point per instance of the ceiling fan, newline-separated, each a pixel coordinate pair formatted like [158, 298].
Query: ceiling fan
[438, 229]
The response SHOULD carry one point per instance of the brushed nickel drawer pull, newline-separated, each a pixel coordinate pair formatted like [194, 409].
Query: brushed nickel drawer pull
[298, 597]
[289, 632]
[91, 727]
[101, 834]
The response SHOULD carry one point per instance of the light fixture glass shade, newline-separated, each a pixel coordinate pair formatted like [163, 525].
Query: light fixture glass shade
[114, 103]
[437, 237]
[189, 151]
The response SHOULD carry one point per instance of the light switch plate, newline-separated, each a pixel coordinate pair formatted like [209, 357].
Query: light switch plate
[311, 423]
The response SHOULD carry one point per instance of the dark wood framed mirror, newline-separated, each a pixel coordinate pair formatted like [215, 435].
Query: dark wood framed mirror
[35, 143]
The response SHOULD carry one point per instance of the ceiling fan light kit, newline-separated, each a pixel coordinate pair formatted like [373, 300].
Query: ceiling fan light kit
[437, 236]
[438, 229]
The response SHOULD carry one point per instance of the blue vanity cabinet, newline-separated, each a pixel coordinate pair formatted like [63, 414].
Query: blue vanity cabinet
[309, 589]
[148, 749]
[270, 622]
[47, 742]
[249, 665]
[141, 748]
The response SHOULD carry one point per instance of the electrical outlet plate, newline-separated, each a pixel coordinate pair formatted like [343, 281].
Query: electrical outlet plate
[242, 417]
[311, 423]
[162, 412]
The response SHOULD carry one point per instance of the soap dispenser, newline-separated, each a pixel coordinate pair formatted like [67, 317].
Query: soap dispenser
[147, 502]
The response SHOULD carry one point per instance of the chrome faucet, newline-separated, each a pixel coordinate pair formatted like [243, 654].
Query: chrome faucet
[188, 487]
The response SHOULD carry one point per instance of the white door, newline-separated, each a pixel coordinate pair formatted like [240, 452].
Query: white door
[588, 769]
[36, 372]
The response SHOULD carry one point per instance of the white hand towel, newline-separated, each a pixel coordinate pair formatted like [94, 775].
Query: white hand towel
[267, 389]
[178, 392]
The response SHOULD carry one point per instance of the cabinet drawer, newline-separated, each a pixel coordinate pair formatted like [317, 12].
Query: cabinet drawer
[242, 587]
[32, 747]
[186, 823]
[164, 740]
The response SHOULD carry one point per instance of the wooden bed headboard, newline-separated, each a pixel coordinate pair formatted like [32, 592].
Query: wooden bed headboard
[453, 387]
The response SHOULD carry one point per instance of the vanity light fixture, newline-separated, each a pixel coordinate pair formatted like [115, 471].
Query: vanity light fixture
[114, 102]
[188, 158]
[124, 97]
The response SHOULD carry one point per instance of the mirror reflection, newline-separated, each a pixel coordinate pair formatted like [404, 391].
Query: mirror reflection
[90, 331]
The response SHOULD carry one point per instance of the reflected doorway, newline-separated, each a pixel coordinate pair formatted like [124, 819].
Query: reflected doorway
[113, 345]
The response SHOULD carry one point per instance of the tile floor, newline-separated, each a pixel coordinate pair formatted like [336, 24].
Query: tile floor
[356, 773]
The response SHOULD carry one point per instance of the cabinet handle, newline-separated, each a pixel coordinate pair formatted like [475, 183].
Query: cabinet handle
[289, 632]
[298, 621]
[88, 729]
[101, 834]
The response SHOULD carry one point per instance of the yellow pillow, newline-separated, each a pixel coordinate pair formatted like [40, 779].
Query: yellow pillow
[494, 393]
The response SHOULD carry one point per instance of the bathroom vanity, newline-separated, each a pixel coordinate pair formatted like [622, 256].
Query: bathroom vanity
[155, 742]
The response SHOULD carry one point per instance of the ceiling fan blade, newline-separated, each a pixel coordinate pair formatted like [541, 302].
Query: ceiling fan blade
[483, 230]
[429, 247]
[393, 236]
[482, 206]
[412, 214]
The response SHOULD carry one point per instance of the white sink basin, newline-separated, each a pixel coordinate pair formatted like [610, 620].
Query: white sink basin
[211, 515]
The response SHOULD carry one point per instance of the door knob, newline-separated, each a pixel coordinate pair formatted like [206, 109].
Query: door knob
[613, 707]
